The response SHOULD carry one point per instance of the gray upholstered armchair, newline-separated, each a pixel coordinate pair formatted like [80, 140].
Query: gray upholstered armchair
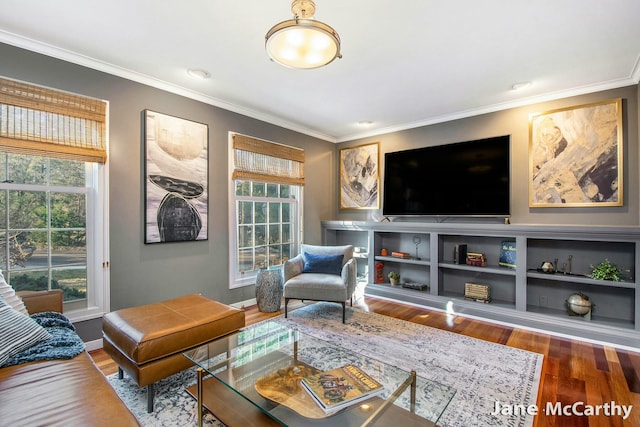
[321, 273]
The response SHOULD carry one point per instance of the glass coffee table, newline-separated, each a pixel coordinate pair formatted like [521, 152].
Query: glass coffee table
[252, 377]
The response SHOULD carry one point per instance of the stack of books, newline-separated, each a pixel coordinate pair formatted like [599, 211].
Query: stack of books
[400, 255]
[477, 292]
[339, 388]
[476, 259]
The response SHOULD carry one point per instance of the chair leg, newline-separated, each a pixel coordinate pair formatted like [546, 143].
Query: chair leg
[344, 311]
[286, 303]
[351, 300]
[120, 373]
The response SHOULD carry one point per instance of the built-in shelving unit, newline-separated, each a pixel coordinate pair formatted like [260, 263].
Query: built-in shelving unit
[523, 295]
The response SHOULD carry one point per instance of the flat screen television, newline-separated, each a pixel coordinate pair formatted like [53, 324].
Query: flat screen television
[463, 179]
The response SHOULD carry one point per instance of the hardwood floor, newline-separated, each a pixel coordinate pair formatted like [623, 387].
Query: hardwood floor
[573, 371]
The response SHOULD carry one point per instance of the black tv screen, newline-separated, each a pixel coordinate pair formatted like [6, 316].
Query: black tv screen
[463, 179]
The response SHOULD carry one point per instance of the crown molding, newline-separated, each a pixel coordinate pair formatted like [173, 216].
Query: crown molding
[89, 62]
[635, 73]
[613, 84]
[95, 64]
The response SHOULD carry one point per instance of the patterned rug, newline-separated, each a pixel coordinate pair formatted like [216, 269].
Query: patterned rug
[480, 371]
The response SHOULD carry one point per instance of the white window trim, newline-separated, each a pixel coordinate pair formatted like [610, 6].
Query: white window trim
[98, 296]
[98, 265]
[250, 279]
[98, 269]
[98, 299]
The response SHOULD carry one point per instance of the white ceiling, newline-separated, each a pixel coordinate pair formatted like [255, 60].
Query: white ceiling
[406, 63]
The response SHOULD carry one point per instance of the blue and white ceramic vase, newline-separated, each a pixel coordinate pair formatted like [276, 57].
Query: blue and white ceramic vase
[269, 290]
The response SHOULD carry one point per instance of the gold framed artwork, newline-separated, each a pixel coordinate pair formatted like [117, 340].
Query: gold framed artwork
[575, 156]
[359, 177]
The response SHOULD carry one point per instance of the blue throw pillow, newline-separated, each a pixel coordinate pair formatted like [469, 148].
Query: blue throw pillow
[326, 264]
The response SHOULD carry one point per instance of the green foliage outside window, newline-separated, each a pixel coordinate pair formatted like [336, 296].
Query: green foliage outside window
[264, 224]
[43, 218]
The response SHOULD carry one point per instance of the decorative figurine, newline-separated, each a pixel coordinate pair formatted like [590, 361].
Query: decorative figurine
[579, 304]
[416, 241]
[547, 267]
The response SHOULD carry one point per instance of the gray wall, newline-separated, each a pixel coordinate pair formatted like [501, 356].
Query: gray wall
[147, 273]
[515, 122]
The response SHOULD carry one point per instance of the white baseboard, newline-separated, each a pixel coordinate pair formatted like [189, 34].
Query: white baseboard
[93, 345]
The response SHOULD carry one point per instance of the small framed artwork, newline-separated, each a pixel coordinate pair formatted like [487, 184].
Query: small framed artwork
[359, 177]
[575, 156]
[176, 168]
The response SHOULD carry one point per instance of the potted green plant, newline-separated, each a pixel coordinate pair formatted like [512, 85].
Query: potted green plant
[606, 271]
[394, 278]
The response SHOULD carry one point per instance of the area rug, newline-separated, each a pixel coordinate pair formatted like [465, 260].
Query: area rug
[481, 372]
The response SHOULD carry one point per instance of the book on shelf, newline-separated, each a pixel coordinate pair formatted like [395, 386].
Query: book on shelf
[507, 254]
[339, 388]
[483, 300]
[398, 254]
[477, 292]
[476, 259]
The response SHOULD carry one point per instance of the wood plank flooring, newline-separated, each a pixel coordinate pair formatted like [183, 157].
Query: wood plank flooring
[573, 371]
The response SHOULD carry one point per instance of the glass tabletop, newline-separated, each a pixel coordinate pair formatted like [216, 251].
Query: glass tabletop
[265, 363]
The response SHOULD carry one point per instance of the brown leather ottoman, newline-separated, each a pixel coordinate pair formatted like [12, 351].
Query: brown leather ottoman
[147, 341]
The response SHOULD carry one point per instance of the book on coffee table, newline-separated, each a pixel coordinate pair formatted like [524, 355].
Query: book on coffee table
[339, 388]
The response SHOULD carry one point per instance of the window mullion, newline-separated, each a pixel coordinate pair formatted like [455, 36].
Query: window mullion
[7, 247]
[49, 264]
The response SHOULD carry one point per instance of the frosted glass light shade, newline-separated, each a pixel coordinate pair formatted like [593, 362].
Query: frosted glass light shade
[302, 43]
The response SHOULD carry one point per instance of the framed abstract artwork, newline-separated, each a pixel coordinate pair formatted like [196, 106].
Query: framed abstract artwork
[359, 177]
[176, 169]
[575, 156]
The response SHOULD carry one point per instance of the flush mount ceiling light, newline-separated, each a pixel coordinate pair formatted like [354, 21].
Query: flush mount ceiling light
[198, 73]
[303, 42]
[520, 85]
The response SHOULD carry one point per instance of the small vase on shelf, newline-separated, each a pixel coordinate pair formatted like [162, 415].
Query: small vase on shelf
[394, 278]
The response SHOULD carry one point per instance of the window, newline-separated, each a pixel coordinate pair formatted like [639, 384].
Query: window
[265, 225]
[53, 233]
[265, 208]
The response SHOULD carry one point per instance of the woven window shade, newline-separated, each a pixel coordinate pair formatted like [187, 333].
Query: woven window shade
[45, 122]
[259, 160]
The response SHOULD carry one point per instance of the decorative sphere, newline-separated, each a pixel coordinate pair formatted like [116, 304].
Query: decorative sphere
[547, 267]
[579, 303]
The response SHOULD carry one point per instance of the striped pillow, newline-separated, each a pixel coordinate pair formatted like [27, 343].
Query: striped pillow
[17, 332]
[10, 296]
